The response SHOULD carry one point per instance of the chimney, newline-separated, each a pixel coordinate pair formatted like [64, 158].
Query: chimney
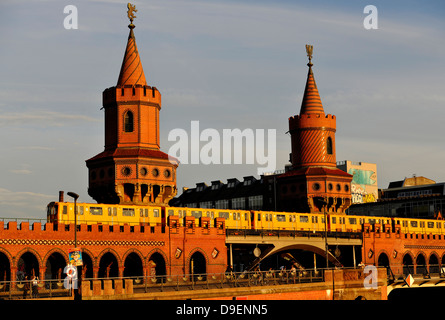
[60, 196]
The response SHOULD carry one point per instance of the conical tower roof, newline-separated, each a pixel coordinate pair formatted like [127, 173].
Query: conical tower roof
[311, 99]
[131, 70]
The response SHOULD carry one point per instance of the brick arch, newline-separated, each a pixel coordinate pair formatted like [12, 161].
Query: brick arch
[421, 253]
[133, 250]
[193, 251]
[53, 250]
[93, 258]
[409, 253]
[107, 250]
[189, 257]
[156, 250]
[8, 255]
[434, 253]
[33, 251]
[385, 253]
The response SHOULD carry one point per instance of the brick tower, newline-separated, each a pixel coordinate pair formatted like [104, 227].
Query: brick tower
[132, 169]
[314, 183]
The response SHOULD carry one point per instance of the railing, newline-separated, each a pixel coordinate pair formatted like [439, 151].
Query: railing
[225, 280]
[26, 290]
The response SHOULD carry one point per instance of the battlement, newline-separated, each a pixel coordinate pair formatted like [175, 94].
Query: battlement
[312, 116]
[117, 231]
[312, 121]
[131, 93]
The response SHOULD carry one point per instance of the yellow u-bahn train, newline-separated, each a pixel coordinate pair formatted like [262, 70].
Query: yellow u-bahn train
[88, 213]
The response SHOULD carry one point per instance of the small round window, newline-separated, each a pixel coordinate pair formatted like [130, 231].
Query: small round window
[126, 171]
[316, 186]
[155, 172]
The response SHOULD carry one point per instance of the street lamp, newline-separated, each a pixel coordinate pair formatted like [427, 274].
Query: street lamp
[323, 202]
[75, 196]
[77, 289]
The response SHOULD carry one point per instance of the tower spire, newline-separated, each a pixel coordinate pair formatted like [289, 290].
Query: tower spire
[311, 99]
[131, 71]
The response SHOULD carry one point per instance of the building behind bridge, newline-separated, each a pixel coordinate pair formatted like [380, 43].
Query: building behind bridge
[415, 197]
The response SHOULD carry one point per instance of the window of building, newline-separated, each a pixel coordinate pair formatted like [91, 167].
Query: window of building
[256, 202]
[206, 204]
[222, 204]
[239, 203]
[128, 122]
[329, 145]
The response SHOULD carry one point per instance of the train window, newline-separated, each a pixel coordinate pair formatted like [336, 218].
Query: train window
[259, 216]
[422, 224]
[65, 210]
[80, 210]
[314, 219]
[224, 215]
[267, 217]
[170, 212]
[438, 225]
[128, 212]
[405, 223]
[352, 221]
[334, 220]
[144, 212]
[371, 221]
[291, 218]
[96, 211]
[414, 224]
[112, 211]
[156, 213]
[304, 219]
[281, 218]
[246, 216]
[430, 224]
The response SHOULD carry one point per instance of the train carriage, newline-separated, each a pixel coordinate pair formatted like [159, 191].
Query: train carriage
[63, 212]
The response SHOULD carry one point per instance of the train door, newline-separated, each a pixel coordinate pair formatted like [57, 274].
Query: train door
[252, 219]
[269, 222]
[314, 220]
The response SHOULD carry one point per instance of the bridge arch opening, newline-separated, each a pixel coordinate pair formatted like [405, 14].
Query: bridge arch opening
[197, 263]
[408, 265]
[108, 266]
[133, 265]
[87, 268]
[420, 264]
[55, 264]
[433, 263]
[5, 268]
[159, 261]
[27, 265]
[383, 260]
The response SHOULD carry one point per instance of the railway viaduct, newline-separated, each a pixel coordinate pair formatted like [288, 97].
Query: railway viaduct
[111, 251]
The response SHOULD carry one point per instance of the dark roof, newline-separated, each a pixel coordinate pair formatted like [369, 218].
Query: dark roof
[249, 187]
[132, 152]
[316, 171]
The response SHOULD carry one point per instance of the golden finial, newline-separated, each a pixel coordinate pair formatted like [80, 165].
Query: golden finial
[130, 13]
[309, 50]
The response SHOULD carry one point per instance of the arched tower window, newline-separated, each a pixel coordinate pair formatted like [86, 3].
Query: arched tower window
[128, 121]
[329, 145]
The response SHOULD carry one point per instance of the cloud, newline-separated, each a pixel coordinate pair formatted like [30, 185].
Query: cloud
[23, 203]
[43, 118]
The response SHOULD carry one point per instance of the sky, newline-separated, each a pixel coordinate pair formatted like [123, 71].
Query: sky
[227, 64]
